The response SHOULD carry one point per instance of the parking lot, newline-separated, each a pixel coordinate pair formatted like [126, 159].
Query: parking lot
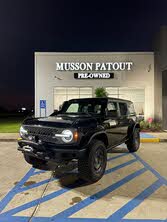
[132, 189]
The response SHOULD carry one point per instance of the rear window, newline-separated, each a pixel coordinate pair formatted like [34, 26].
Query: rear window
[123, 109]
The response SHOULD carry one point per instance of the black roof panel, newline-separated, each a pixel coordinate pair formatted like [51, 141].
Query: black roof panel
[103, 98]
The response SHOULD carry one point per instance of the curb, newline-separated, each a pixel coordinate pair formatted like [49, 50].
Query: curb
[163, 140]
[149, 140]
[8, 140]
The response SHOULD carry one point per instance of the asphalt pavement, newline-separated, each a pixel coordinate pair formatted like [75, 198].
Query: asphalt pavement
[134, 188]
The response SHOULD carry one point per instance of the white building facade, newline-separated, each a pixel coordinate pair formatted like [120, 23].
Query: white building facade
[53, 86]
[160, 48]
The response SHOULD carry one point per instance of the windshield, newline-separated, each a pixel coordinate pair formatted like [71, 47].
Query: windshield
[83, 107]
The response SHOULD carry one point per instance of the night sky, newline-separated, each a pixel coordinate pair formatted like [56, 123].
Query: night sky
[29, 26]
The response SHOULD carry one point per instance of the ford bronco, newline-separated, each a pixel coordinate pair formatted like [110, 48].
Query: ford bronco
[83, 130]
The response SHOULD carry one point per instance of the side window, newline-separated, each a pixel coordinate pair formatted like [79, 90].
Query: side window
[86, 108]
[123, 109]
[97, 109]
[112, 109]
[131, 109]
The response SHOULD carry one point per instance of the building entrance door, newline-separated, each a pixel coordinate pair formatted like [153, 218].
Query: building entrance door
[164, 100]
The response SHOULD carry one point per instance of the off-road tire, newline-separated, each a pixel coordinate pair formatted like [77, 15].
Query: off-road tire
[133, 143]
[86, 165]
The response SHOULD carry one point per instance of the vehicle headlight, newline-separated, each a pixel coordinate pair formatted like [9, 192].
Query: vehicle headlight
[23, 132]
[67, 136]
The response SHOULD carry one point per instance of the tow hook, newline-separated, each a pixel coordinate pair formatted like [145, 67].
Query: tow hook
[26, 149]
[33, 151]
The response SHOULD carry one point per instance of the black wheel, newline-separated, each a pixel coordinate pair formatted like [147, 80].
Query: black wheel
[92, 167]
[35, 162]
[133, 143]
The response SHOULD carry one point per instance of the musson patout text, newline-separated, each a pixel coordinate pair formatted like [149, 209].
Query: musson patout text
[85, 66]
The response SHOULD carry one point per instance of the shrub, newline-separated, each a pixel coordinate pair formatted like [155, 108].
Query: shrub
[150, 125]
[101, 92]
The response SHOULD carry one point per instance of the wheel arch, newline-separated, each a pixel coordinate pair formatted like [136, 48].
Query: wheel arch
[102, 136]
[137, 125]
[132, 128]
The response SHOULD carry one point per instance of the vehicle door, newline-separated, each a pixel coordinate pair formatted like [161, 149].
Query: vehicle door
[123, 119]
[111, 123]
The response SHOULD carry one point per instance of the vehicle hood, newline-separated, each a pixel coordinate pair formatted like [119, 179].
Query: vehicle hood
[62, 121]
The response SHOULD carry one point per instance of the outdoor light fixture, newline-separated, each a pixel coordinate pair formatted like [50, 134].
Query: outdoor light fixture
[149, 68]
[56, 77]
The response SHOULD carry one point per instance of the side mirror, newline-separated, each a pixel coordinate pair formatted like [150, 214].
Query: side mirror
[55, 112]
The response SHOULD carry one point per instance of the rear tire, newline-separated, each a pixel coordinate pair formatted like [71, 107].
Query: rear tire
[92, 167]
[133, 143]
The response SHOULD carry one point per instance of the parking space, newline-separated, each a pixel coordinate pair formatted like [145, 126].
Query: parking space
[132, 189]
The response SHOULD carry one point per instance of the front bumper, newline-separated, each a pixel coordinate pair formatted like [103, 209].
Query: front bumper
[48, 151]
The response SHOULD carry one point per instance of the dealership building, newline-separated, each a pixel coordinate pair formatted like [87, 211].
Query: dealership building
[137, 76]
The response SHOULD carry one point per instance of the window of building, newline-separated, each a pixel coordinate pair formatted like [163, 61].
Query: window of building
[113, 92]
[62, 94]
[136, 95]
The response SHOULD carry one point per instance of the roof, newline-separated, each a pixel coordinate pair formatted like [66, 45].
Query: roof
[103, 98]
[93, 53]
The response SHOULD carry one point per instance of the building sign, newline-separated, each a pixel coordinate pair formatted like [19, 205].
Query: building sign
[93, 75]
[86, 66]
[42, 104]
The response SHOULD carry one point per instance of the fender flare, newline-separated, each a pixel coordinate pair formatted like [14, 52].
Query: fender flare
[97, 135]
[132, 129]
[136, 125]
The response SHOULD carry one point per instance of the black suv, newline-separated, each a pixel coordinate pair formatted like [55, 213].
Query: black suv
[83, 130]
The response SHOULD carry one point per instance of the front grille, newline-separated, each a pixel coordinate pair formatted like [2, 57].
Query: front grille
[45, 134]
